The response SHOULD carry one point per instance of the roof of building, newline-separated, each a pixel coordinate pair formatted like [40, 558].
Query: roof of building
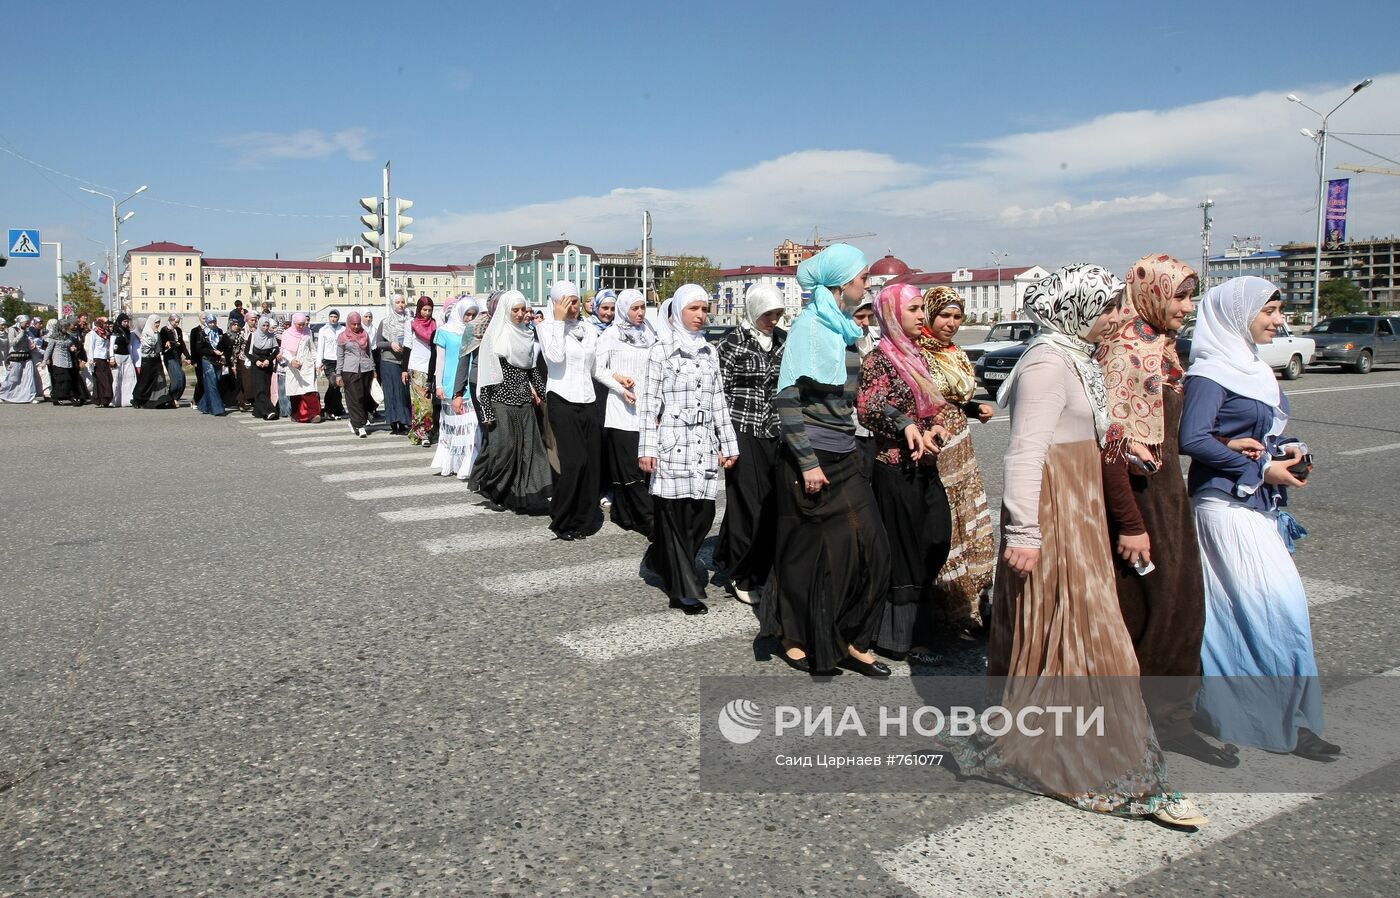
[889, 265]
[977, 275]
[163, 246]
[750, 270]
[548, 248]
[400, 267]
[1262, 254]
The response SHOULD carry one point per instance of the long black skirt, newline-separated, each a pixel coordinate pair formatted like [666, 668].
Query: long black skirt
[62, 386]
[747, 536]
[914, 510]
[152, 386]
[514, 471]
[678, 529]
[263, 406]
[396, 407]
[332, 403]
[573, 508]
[631, 499]
[831, 565]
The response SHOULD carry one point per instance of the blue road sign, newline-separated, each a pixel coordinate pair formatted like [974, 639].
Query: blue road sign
[24, 243]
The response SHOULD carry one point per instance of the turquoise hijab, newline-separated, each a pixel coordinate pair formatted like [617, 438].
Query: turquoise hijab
[816, 344]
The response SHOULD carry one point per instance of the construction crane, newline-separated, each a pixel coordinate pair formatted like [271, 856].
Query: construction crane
[1369, 169]
[818, 240]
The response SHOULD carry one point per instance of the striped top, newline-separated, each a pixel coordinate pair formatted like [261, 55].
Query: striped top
[828, 410]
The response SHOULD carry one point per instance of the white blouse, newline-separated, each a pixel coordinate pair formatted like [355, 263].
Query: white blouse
[569, 352]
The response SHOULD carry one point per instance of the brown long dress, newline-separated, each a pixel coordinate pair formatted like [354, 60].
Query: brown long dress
[1165, 610]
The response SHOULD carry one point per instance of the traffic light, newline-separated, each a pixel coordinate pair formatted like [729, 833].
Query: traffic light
[401, 223]
[374, 220]
[376, 268]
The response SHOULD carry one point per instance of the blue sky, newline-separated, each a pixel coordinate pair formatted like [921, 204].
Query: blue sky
[1049, 131]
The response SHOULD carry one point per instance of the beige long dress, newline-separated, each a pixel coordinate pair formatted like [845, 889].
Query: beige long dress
[1057, 633]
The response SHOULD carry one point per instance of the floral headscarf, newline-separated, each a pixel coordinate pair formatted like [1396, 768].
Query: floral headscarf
[946, 360]
[1139, 359]
[901, 351]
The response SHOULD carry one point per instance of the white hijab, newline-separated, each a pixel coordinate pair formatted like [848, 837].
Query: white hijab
[622, 329]
[456, 316]
[1222, 349]
[689, 341]
[504, 339]
[759, 301]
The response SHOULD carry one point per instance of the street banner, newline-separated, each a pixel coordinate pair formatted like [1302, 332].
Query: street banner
[1336, 233]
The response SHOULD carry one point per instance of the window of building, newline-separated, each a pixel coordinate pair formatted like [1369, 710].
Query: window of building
[162, 307]
[143, 292]
[189, 292]
[189, 276]
[284, 279]
[189, 306]
[172, 261]
[298, 293]
[284, 294]
[189, 262]
[160, 261]
[298, 307]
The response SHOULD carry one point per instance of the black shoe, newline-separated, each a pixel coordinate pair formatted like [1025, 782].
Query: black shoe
[579, 534]
[567, 536]
[874, 669]
[801, 665]
[1314, 747]
[1193, 746]
[694, 606]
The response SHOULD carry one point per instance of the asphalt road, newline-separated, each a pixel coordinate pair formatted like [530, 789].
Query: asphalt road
[235, 665]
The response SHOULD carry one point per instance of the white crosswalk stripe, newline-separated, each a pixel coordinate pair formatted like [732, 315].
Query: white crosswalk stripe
[535, 533]
[284, 429]
[324, 439]
[1325, 592]
[388, 454]
[1044, 847]
[376, 474]
[433, 487]
[570, 576]
[671, 629]
[358, 446]
[437, 512]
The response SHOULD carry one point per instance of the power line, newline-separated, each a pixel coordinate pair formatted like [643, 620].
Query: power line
[1366, 133]
[1364, 150]
[154, 199]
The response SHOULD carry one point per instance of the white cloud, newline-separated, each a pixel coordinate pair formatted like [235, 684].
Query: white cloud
[258, 148]
[1108, 189]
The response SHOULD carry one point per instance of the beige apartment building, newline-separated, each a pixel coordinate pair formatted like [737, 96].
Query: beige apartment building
[172, 277]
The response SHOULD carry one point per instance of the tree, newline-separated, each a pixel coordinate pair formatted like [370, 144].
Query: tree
[689, 270]
[1339, 296]
[80, 291]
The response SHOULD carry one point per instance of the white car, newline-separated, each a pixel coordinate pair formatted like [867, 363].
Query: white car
[1289, 355]
[1002, 335]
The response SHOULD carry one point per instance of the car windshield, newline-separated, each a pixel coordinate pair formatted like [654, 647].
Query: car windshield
[1346, 326]
[1001, 333]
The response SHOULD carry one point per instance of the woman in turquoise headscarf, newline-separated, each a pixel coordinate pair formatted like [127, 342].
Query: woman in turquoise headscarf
[832, 560]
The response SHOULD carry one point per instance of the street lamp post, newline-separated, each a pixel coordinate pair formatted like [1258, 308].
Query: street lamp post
[1321, 138]
[998, 258]
[117, 229]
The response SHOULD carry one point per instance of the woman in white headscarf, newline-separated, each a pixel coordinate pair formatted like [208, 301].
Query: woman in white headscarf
[1057, 633]
[20, 382]
[392, 338]
[749, 360]
[686, 438]
[153, 383]
[513, 472]
[1260, 687]
[569, 347]
[620, 370]
[263, 350]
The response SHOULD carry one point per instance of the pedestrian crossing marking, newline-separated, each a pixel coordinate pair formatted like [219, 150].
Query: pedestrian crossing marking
[1048, 848]
[374, 474]
[389, 455]
[647, 634]
[435, 512]
[438, 485]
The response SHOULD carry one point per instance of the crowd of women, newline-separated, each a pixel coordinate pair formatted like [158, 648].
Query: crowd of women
[856, 519]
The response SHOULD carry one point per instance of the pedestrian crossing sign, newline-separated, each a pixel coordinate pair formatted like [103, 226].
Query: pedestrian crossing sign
[24, 243]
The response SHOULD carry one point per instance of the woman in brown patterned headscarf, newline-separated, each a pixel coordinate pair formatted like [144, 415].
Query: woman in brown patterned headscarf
[968, 572]
[1149, 513]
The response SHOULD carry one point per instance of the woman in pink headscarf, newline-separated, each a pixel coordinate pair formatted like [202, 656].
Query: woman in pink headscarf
[899, 404]
[301, 371]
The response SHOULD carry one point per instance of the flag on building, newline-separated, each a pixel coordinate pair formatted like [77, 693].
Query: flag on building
[102, 278]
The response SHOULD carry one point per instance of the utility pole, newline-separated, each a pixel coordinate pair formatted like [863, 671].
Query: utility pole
[57, 276]
[1206, 222]
[646, 255]
[387, 228]
[117, 229]
[998, 258]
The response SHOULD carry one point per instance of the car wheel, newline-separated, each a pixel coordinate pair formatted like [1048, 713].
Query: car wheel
[1363, 363]
[1294, 369]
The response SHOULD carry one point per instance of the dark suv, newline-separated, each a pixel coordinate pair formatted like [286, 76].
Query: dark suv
[1357, 341]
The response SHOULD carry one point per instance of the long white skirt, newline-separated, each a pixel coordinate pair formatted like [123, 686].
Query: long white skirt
[459, 441]
[19, 384]
[42, 371]
[1257, 655]
[123, 382]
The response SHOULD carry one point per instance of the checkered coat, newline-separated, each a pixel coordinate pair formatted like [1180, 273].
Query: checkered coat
[685, 423]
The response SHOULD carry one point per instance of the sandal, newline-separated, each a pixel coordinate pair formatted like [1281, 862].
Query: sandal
[1180, 812]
